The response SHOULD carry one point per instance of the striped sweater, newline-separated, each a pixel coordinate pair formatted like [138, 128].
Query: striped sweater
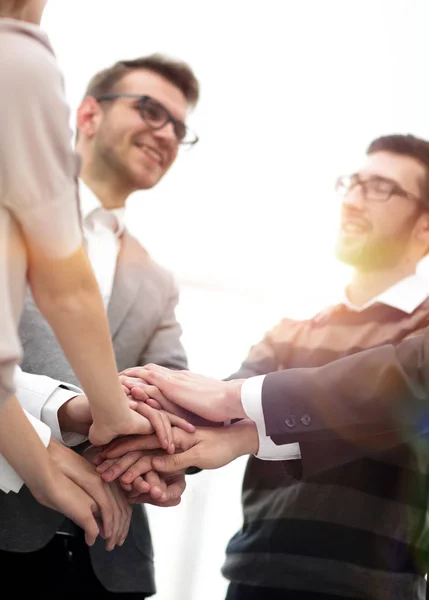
[358, 531]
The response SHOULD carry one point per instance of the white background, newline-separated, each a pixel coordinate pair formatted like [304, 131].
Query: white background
[292, 93]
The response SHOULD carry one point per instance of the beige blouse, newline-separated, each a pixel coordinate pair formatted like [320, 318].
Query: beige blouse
[38, 175]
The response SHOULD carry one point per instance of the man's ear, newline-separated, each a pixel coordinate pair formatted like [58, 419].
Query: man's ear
[423, 229]
[89, 116]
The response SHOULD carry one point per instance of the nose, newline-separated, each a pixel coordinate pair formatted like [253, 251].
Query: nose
[355, 197]
[167, 133]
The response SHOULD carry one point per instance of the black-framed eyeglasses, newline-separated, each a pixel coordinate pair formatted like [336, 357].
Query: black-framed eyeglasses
[157, 116]
[374, 188]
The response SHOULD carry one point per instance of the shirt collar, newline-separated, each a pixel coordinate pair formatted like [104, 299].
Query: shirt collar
[89, 203]
[405, 295]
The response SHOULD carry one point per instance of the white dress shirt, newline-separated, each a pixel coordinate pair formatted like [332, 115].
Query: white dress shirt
[102, 231]
[406, 295]
[40, 396]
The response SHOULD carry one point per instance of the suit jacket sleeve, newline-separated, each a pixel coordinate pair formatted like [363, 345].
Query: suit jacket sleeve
[165, 347]
[366, 402]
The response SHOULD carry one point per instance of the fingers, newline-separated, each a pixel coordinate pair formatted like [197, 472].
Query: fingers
[140, 394]
[137, 488]
[74, 502]
[130, 382]
[92, 455]
[120, 447]
[161, 424]
[105, 465]
[128, 467]
[126, 390]
[142, 372]
[147, 499]
[140, 467]
[180, 422]
[110, 518]
[106, 508]
[176, 462]
[158, 487]
[125, 513]
[151, 391]
[176, 418]
[176, 485]
[89, 524]
[115, 514]
[153, 403]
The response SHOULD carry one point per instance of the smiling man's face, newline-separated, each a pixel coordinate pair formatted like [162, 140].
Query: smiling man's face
[125, 144]
[377, 233]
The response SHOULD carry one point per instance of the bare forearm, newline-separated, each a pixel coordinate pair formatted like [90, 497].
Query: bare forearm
[21, 446]
[81, 329]
[73, 307]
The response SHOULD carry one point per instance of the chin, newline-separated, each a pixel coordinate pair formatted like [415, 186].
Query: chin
[146, 181]
[349, 254]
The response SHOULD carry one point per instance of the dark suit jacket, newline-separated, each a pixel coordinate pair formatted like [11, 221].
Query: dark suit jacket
[144, 329]
[360, 404]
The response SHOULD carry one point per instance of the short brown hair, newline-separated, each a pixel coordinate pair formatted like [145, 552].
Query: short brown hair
[176, 72]
[405, 145]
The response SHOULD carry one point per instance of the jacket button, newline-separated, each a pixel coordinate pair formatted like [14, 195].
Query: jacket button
[306, 419]
[290, 421]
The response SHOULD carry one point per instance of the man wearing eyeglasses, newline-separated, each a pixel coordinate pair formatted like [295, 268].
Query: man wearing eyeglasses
[357, 530]
[324, 519]
[337, 507]
[131, 124]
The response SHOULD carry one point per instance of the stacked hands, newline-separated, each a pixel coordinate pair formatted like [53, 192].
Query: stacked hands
[184, 417]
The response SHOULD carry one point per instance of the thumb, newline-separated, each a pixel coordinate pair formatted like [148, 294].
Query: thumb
[175, 462]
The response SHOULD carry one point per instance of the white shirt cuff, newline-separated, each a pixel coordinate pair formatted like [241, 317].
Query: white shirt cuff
[50, 415]
[251, 399]
[10, 481]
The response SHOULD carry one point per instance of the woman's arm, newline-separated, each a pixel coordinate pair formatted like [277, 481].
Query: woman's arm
[38, 186]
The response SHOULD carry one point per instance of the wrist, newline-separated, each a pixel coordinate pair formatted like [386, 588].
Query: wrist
[44, 476]
[74, 416]
[65, 416]
[233, 405]
[245, 438]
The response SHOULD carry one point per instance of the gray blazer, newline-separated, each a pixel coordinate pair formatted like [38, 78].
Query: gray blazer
[144, 329]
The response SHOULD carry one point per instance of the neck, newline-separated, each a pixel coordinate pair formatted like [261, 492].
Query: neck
[26, 14]
[110, 192]
[366, 285]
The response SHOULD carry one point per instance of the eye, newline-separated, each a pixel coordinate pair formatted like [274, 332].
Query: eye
[382, 185]
[377, 185]
[154, 112]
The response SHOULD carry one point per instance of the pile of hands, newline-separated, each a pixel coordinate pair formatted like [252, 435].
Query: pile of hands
[185, 417]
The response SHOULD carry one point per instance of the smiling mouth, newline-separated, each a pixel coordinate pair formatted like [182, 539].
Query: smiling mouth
[354, 228]
[153, 154]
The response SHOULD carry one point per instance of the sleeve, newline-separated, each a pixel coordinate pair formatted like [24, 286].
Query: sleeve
[42, 397]
[10, 481]
[165, 347]
[251, 398]
[50, 416]
[38, 168]
[264, 358]
[365, 402]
